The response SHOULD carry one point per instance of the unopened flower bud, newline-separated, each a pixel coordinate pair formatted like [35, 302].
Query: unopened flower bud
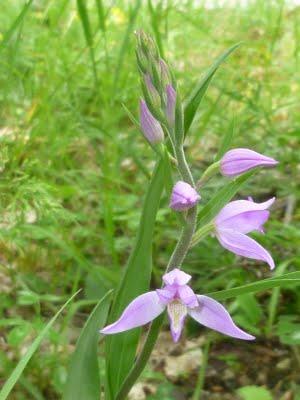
[150, 126]
[166, 78]
[238, 161]
[171, 104]
[150, 92]
[142, 61]
[147, 44]
[183, 197]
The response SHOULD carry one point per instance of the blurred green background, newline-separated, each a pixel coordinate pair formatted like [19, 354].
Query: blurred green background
[74, 170]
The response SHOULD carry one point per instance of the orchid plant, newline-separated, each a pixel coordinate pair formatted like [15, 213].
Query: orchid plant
[164, 123]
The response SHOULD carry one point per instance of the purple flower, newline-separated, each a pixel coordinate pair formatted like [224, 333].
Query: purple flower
[237, 219]
[179, 300]
[183, 197]
[238, 161]
[150, 126]
[171, 103]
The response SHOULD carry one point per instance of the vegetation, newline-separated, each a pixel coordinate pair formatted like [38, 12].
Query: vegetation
[74, 170]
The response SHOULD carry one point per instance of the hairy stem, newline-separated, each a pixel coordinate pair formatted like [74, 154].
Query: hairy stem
[183, 243]
[143, 358]
[176, 260]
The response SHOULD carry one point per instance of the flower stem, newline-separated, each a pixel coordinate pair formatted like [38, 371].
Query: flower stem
[176, 260]
[143, 358]
[208, 173]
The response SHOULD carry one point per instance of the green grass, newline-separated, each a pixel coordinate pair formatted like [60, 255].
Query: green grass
[74, 168]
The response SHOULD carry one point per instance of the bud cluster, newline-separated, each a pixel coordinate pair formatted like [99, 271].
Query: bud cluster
[157, 108]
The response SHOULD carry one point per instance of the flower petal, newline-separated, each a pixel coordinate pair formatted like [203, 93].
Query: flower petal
[151, 128]
[243, 215]
[213, 315]
[177, 313]
[176, 277]
[171, 102]
[244, 246]
[167, 294]
[140, 311]
[187, 296]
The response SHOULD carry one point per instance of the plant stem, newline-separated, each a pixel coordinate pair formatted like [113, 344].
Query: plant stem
[183, 243]
[176, 260]
[143, 358]
[208, 173]
[183, 166]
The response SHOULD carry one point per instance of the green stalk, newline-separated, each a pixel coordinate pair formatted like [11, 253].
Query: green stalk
[202, 371]
[176, 260]
[208, 173]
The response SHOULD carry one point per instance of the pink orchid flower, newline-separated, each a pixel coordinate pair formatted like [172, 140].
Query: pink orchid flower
[179, 300]
[237, 219]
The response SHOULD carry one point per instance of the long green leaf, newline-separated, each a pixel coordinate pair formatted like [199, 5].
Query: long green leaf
[222, 197]
[155, 20]
[101, 15]
[286, 279]
[121, 349]
[15, 24]
[194, 100]
[84, 17]
[125, 42]
[226, 140]
[83, 380]
[12, 380]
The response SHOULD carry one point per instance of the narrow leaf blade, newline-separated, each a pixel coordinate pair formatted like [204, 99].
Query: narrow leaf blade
[194, 100]
[17, 372]
[286, 279]
[83, 380]
[84, 17]
[222, 197]
[121, 349]
[15, 24]
[125, 42]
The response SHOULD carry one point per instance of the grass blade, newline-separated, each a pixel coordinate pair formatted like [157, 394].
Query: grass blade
[83, 380]
[101, 15]
[155, 20]
[124, 45]
[12, 380]
[84, 17]
[8, 35]
[194, 100]
[121, 349]
[226, 140]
